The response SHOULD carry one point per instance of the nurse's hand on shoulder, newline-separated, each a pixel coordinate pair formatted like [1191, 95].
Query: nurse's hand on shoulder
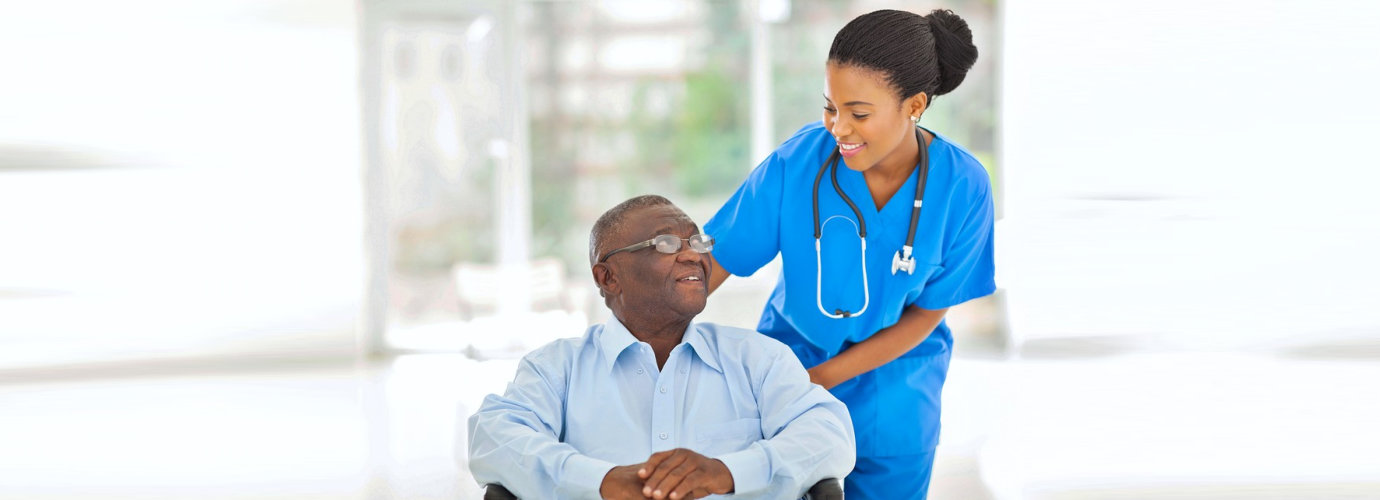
[823, 375]
[680, 474]
[622, 483]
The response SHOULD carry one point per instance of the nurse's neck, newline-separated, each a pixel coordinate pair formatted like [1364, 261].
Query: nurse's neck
[886, 177]
[657, 329]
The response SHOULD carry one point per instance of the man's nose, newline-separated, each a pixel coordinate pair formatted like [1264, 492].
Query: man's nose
[687, 254]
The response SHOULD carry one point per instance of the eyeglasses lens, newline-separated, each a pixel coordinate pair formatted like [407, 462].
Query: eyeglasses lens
[702, 243]
[667, 244]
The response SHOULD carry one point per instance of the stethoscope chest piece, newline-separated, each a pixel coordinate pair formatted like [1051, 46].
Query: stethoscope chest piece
[906, 263]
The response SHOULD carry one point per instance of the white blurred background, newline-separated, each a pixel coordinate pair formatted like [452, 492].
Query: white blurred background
[281, 249]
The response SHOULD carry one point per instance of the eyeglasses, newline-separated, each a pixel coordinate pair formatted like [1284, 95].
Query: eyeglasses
[666, 243]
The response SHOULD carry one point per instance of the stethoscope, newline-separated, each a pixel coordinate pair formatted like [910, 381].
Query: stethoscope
[902, 260]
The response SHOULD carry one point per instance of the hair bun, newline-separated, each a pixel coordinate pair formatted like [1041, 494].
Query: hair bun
[953, 47]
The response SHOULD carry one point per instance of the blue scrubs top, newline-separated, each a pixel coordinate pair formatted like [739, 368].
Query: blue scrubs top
[895, 408]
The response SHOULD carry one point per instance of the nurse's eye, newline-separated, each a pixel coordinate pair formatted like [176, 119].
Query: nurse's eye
[829, 110]
[860, 117]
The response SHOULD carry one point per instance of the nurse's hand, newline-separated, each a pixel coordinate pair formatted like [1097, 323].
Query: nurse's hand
[680, 473]
[881, 348]
[821, 375]
[622, 483]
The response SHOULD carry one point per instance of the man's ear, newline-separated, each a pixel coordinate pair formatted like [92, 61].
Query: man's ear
[605, 279]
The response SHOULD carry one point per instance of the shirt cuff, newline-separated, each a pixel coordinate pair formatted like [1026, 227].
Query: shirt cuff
[582, 476]
[750, 470]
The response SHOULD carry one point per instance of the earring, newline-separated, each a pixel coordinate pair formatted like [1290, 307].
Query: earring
[915, 120]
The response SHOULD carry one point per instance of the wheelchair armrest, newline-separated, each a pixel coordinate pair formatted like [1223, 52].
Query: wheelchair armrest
[498, 492]
[826, 489]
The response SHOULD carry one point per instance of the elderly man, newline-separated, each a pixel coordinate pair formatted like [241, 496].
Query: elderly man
[650, 404]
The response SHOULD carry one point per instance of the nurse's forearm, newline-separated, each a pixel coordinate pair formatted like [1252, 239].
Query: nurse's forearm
[881, 348]
[717, 274]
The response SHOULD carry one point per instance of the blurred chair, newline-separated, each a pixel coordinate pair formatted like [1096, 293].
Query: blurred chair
[825, 489]
[475, 286]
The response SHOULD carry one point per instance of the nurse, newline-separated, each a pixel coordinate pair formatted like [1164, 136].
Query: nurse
[873, 254]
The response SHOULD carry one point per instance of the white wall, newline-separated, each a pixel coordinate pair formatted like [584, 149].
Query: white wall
[221, 213]
[1198, 169]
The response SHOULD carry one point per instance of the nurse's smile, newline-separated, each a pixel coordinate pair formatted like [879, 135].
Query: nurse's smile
[850, 150]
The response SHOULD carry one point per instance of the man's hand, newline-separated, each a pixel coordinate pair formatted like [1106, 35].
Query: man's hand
[680, 474]
[622, 483]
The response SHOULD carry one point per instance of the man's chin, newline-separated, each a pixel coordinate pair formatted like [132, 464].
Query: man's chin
[692, 304]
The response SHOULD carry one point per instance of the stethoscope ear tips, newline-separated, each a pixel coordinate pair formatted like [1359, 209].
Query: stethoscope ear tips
[898, 263]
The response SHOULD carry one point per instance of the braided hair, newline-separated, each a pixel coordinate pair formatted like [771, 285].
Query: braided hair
[929, 54]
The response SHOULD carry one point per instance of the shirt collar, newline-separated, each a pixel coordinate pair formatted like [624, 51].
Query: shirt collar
[695, 337]
[613, 340]
[616, 338]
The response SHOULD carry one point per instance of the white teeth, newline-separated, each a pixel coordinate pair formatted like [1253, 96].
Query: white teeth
[691, 278]
[849, 147]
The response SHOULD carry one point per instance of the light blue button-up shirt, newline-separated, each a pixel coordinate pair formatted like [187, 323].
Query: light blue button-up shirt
[578, 407]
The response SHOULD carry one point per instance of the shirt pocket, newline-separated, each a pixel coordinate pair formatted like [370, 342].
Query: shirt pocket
[734, 433]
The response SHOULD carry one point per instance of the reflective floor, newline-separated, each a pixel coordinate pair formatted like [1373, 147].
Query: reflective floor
[1093, 423]
[387, 429]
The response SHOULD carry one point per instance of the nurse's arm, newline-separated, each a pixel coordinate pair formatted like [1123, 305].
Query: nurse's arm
[717, 274]
[881, 348]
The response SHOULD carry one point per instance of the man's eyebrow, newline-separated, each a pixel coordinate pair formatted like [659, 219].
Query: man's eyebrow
[662, 230]
[850, 103]
[673, 229]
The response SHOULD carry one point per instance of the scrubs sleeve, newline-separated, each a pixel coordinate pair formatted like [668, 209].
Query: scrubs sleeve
[746, 229]
[968, 270]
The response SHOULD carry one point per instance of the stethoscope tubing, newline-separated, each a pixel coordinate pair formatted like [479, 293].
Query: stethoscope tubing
[831, 164]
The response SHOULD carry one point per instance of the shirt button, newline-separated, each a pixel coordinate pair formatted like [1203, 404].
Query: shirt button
[639, 371]
[684, 370]
[663, 435]
[663, 389]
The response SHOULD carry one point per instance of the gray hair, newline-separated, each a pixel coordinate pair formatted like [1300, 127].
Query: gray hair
[612, 221]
